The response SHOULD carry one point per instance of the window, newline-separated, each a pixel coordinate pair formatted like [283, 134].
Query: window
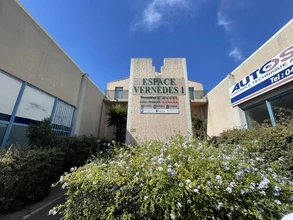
[17, 136]
[62, 118]
[2, 131]
[257, 115]
[118, 93]
[283, 107]
[191, 93]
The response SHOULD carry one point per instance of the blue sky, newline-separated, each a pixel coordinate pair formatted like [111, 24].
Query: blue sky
[215, 36]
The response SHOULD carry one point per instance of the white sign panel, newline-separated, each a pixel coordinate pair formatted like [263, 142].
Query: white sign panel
[159, 111]
[9, 90]
[35, 104]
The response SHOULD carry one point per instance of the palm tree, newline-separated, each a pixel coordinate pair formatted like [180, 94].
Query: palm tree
[117, 118]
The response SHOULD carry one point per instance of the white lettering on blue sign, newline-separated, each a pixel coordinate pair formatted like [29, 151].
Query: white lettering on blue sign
[272, 74]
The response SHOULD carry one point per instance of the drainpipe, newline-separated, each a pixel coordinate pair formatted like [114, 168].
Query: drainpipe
[80, 104]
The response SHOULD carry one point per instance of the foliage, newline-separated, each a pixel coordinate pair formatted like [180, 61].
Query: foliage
[198, 127]
[79, 149]
[41, 135]
[26, 175]
[117, 118]
[274, 143]
[179, 179]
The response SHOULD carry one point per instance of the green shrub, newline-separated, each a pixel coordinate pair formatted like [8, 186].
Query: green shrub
[274, 143]
[41, 135]
[179, 179]
[79, 149]
[27, 175]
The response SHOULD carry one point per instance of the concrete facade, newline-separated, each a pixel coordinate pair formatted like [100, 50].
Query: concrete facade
[221, 114]
[32, 57]
[154, 126]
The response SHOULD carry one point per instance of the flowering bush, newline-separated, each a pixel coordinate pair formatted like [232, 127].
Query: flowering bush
[178, 179]
[274, 143]
[26, 175]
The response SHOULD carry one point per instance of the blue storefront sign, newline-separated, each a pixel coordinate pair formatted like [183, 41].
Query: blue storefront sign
[272, 74]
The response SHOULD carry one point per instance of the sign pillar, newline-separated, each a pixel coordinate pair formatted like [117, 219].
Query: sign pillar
[158, 102]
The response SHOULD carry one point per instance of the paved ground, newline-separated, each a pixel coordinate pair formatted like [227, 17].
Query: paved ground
[56, 192]
[43, 214]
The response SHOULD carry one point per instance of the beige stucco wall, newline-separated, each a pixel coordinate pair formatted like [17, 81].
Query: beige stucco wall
[118, 83]
[195, 85]
[28, 53]
[91, 110]
[220, 113]
[157, 126]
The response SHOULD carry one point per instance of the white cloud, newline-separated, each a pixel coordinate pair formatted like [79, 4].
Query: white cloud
[224, 19]
[236, 54]
[155, 14]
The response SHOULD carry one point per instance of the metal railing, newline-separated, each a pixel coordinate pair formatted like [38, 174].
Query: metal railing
[198, 94]
[113, 95]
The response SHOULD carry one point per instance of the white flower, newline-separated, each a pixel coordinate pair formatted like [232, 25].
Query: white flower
[263, 193]
[264, 183]
[160, 160]
[181, 184]
[176, 165]
[145, 197]
[278, 202]
[188, 180]
[199, 146]
[179, 205]
[61, 178]
[101, 152]
[188, 201]
[172, 216]
[232, 184]
[229, 189]
[196, 190]
[219, 206]
[109, 144]
[276, 190]
[219, 179]
[160, 168]
[64, 185]
[53, 211]
[137, 173]
[72, 169]
[252, 185]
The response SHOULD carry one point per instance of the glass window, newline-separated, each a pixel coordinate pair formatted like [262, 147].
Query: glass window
[283, 107]
[17, 136]
[257, 115]
[191, 93]
[118, 93]
[2, 131]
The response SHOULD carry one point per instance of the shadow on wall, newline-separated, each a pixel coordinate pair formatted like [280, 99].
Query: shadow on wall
[130, 139]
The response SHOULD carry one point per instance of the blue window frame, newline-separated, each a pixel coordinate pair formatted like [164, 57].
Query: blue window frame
[272, 110]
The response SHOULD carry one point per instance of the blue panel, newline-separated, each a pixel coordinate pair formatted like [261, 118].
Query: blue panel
[271, 113]
[281, 75]
[13, 114]
[54, 109]
[72, 120]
